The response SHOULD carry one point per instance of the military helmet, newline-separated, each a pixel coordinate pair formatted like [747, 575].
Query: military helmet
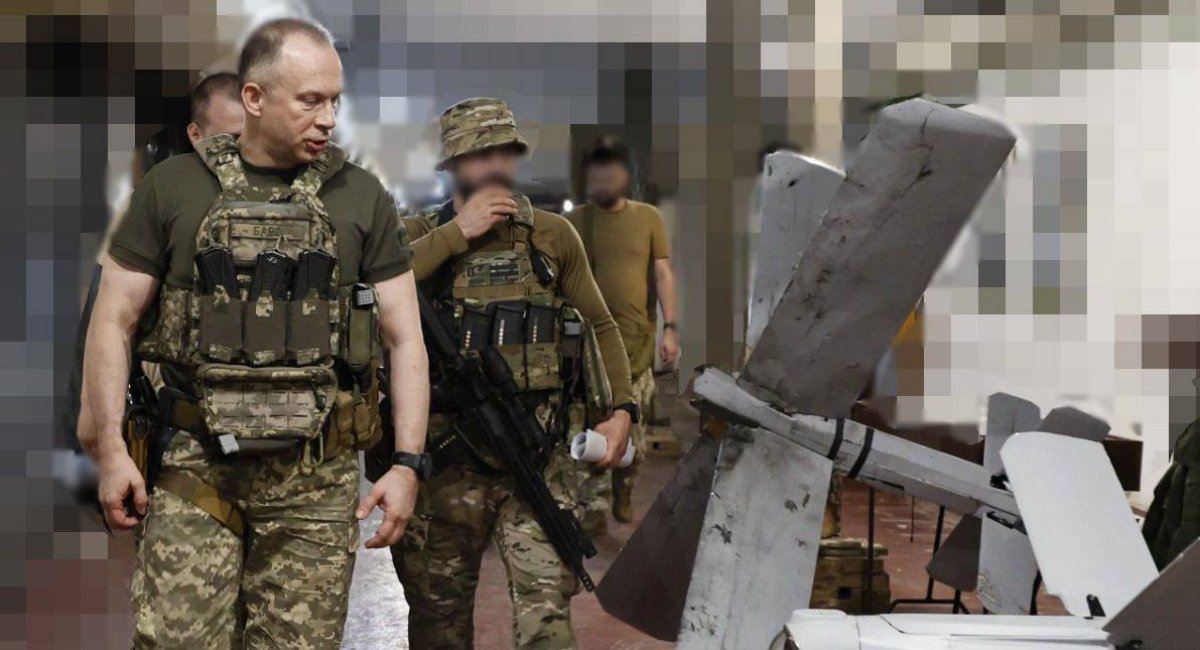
[476, 124]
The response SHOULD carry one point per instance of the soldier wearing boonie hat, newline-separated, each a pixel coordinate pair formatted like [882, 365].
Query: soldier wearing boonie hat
[474, 250]
[474, 125]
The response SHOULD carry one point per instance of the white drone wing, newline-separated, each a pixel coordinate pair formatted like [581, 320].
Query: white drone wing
[1007, 566]
[797, 191]
[758, 548]
[1088, 545]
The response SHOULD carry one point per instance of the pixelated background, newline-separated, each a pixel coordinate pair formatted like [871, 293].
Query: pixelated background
[1075, 282]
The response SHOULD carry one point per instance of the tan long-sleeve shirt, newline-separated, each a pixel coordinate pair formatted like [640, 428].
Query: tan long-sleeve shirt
[554, 237]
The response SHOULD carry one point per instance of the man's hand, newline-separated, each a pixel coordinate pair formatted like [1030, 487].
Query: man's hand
[485, 209]
[668, 350]
[396, 493]
[119, 478]
[616, 430]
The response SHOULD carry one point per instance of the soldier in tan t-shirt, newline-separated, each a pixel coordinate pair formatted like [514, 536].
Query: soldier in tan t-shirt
[627, 246]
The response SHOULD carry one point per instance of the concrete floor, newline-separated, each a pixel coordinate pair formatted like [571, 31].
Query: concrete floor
[77, 602]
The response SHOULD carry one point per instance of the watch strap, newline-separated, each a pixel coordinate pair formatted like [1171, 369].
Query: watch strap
[634, 411]
[422, 464]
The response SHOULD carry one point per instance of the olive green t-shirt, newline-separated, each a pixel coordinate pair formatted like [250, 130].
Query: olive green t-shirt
[158, 234]
[622, 247]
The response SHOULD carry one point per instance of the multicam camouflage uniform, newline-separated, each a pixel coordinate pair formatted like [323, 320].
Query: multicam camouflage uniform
[469, 502]
[596, 488]
[644, 388]
[458, 511]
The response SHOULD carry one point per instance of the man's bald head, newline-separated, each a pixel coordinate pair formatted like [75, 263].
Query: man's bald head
[291, 84]
[262, 49]
[216, 107]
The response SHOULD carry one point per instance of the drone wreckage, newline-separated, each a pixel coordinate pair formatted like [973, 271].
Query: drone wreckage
[728, 550]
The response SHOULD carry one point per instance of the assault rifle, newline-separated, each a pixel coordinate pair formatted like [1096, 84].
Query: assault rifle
[480, 386]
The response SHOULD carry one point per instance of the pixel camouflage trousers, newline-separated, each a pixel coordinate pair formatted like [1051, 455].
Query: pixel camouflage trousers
[438, 559]
[596, 487]
[198, 585]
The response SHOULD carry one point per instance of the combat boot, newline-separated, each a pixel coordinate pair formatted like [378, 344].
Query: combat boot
[622, 498]
[594, 523]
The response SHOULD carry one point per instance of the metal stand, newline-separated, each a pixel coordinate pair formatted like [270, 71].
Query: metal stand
[912, 521]
[868, 597]
[956, 603]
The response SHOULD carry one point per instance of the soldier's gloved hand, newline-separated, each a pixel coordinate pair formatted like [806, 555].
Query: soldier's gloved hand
[396, 493]
[616, 430]
[486, 208]
[119, 479]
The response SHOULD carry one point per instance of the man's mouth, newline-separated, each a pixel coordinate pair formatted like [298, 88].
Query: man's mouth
[315, 146]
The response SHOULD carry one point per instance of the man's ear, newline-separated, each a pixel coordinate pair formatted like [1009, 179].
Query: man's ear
[194, 133]
[252, 98]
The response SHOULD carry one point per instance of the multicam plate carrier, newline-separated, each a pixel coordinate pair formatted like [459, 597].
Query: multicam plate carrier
[500, 301]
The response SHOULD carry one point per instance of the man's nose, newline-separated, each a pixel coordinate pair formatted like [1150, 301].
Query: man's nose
[327, 117]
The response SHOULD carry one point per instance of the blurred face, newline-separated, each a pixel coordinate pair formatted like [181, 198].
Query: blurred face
[607, 183]
[295, 106]
[494, 166]
[224, 114]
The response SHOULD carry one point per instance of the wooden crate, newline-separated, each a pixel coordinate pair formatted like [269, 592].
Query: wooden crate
[840, 580]
[663, 443]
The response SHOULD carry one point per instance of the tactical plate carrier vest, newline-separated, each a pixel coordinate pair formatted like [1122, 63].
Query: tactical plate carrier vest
[510, 299]
[275, 342]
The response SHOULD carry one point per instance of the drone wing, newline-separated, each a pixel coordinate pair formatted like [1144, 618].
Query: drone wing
[797, 191]
[913, 185]
[1088, 545]
[758, 549]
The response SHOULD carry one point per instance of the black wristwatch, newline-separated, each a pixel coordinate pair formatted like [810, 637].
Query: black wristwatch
[670, 325]
[422, 464]
[634, 411]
